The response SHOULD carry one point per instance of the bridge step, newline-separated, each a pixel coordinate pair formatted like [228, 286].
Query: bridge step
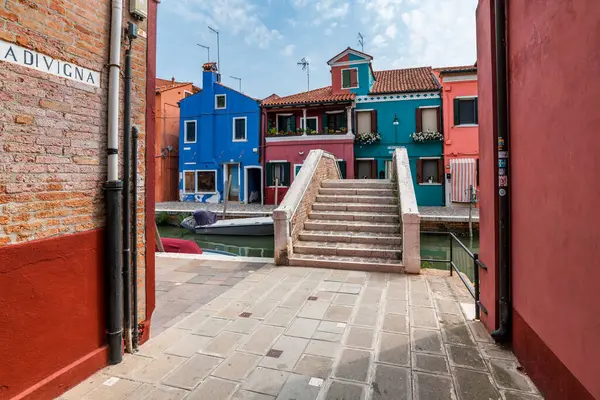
[355, 216]
[350, 263]
[350, 226]
[348, 250]
[359, 183]
[352, 237]
[356, 207]
[356, 199]
[356, 192]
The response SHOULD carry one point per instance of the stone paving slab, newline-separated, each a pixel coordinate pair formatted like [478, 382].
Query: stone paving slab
[301, 333]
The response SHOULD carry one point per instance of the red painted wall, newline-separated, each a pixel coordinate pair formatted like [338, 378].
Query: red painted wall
[459, 141]
[336, 77]
[488, 228]
[52, 314]
[553, 57]
[289, 150]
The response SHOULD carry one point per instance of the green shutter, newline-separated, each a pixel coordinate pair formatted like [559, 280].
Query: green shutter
[456, 112]
[286, 174]
[344, 120]
[293, 123]
[269, 168]
[346, 78]
[342, 165]
[324, 121]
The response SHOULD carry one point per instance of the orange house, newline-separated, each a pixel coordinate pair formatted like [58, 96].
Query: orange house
[461, 132]
[166, 148]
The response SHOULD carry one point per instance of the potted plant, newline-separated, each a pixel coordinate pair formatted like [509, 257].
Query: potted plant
[367, 138]
[426, 136]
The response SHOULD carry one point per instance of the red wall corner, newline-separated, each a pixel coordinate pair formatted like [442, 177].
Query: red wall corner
[53, 313]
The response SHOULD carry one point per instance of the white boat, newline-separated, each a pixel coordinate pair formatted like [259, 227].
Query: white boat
[260, 226]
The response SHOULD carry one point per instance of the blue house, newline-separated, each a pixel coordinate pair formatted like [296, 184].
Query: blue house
[219, 142]
[391, 106]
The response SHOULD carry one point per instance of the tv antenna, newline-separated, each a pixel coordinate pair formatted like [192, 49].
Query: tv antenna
[305, 67]
[361, 42]
[239, 81]
[213, 30]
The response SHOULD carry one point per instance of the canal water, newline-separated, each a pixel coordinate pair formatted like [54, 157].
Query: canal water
[432, 246]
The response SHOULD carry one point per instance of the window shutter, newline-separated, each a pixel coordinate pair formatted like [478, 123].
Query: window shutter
[342, 165]
[477, 172]
[324, 121]
[456, 112]
[419, 119]
[374, 121]
[344, 123]
[345, 78]
[353, 77]
[373, 169]
[419, 171]
[476, 104]
[438, 119]
[269, 168]
[286, 174]
[356, 169]
[293, 123]
[441, 171]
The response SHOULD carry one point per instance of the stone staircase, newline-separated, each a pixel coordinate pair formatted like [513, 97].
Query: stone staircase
[353, 224]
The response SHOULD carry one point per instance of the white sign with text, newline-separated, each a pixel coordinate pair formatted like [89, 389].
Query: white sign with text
[14, 54]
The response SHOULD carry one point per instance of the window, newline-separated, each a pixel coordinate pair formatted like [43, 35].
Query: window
[297, 168]
[311, 123]
[465, 111]
[342, 165]
[190, 132]
[206, 181]
[279, 171]
[429, 118]
[286, 123]
[349, 78]
[363, 122]
[220, 101]
[336, 121]
[239, 129]
[187, 94]
[430, 171]
[188, 182]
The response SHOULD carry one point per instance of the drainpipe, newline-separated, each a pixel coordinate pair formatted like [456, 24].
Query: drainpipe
[127, 194]
[134, 179]
[114, 187]
[502, 334]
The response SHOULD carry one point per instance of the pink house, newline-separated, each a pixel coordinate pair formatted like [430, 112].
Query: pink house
[461, 133]
[296, 124]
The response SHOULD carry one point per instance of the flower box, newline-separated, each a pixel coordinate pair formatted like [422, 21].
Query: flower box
[426, 136]
[367, 138]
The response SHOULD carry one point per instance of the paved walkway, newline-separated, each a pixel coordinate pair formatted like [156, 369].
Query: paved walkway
[304, 334]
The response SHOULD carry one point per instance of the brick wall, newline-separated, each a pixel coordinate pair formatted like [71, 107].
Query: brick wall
[53, 130]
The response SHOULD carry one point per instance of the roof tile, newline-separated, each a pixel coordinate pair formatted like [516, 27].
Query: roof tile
[404, 80]
[322, 95]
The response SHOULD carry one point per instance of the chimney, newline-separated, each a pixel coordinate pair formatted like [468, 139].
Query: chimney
[209, 75]
[173, 81]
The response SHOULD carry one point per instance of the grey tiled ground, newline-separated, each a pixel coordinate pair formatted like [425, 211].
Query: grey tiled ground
[360, 336]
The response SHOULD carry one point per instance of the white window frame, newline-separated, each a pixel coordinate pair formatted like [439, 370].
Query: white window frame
[185, 92]
[216, 102]
[466, 98]
[280, 162]
[307, 118]
[342, 79]
[185, 131]
[193, 172]
[282, 115]
[196, 180]
[245, 139]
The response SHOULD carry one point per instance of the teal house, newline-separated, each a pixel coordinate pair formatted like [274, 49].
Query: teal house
[394, 108]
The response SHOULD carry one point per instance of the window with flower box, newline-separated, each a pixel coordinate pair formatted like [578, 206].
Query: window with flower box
[428, 119]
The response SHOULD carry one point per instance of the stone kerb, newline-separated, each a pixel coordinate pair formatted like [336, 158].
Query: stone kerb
[293, 211]
[409, 212]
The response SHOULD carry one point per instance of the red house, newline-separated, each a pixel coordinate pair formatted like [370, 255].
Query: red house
[294, 125]
[539, 193]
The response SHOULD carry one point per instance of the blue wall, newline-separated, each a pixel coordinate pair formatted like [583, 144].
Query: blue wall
[214, 143]
[427, 195]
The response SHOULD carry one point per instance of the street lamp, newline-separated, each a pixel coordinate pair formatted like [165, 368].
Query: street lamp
[396, 123]
[207, 49]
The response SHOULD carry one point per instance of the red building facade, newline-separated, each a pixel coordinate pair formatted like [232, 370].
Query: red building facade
[549, 180]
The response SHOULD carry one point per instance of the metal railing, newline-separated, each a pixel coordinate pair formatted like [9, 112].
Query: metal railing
[472, 288]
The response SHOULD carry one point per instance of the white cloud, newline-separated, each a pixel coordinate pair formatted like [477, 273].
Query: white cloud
[300, 3]
[288, 50]
[326, 10]
[239, 17]
[419, 32]
[391, 31]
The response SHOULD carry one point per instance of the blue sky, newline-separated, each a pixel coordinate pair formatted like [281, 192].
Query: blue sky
[262, 40]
